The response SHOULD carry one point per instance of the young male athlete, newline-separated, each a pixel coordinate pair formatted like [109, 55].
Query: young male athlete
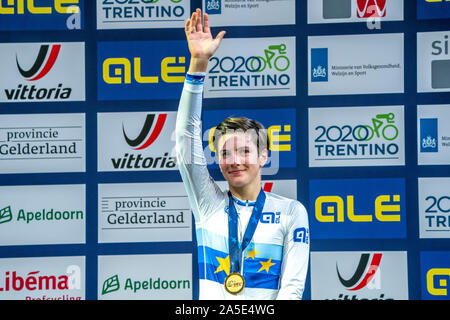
[251, 244]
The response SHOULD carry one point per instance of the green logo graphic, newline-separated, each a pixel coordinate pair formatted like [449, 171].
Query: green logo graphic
[388, 130]
[111, 285]
[280, 62]
[5, 215]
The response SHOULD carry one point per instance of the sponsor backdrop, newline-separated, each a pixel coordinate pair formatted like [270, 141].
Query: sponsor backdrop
[356, 97]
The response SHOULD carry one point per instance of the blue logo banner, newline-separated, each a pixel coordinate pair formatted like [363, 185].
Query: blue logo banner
[19, 15]
[433, 9]
[357, 208]
[319, 65]
[435, 275]
[135, 70]
[429, 135]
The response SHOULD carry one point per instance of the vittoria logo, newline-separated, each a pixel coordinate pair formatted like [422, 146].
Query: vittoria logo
[364, 273]
[147, 136]
[42, 72]
[371, 8]
[136, 141]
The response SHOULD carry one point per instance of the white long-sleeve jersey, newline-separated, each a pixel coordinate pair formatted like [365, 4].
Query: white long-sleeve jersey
[275, 263]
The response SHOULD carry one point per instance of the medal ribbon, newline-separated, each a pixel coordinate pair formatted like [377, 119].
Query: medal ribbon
[233, 243]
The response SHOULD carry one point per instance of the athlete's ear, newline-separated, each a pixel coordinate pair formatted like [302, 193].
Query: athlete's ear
[264, 155]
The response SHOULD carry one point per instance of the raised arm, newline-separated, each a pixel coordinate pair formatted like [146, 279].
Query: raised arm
[203, 193]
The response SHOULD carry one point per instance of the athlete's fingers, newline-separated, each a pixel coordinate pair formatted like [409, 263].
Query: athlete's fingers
[206, 27]
[193, 21]
[198, 25]
[220, 35]
[187, 26]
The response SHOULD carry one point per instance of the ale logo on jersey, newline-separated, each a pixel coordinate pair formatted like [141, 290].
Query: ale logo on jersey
[41, 15]
[358, 208]
[42, 72]
[136, 141]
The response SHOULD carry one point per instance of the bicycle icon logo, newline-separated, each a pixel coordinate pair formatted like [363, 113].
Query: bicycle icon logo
[387, 129]
[280, 62]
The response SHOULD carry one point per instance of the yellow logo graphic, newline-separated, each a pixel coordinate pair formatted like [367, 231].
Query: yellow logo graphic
[274, 138]
[19, 6]
[336, 203]
[122, 71]
[443, 283]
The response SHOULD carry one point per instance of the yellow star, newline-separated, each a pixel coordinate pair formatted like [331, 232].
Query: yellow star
[224, 265]
[266, 265]
[252, 254]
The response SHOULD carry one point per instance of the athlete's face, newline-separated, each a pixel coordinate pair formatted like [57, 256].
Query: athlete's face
[239, 160]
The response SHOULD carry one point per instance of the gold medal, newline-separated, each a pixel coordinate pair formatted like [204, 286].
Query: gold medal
[234, 283]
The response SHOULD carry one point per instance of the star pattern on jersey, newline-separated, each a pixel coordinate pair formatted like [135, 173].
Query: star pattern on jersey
[224, 265]
[251, 254]
[266, 265]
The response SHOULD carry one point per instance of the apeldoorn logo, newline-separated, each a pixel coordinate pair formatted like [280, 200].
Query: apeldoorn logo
[41, 15]
[136, 141]
[356, 136]
[434, 207]
[31, 143]
[433, 61]
[359, 275]
[144, 212]
[114, 14]
[51, 214]
[357, 208]
[267, 68]
[433, 135]
[49, 278]
[356, 64]
[129, 277]
[42, 72]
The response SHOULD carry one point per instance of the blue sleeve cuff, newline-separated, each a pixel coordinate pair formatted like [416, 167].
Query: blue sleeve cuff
[196, 79]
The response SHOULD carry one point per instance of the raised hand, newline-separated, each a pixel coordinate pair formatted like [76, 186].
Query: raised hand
[201, 43]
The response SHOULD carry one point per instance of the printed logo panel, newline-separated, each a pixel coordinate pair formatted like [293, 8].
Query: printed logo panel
[380, 275]
[145, 277]
[49, 278]
[136, 141]
[433, 62]
[266, 68]
[31, 143]
[342, 11]
[41, 15]
[357, 208]
[434, 207]
[51, 214]
[42, 72]
[144, 212]
[249, 12]
[356, 136]
[433, 134]
[281, 129]
[130, 14]
[141, 70]
[435, 275]
[433, 9]
[355, 64]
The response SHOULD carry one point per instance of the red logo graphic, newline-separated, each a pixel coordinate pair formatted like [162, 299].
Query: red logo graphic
[43, 63]
[268, 186]
[147, 135]
[371, 8]
[362, 272]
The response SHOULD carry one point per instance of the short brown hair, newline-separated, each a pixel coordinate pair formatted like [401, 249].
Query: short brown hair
[243, 124]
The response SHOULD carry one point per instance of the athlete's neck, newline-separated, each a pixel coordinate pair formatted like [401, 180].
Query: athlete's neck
[249, 192]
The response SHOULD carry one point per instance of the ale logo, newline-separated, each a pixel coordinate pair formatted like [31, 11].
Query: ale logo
[371, 8]
[364, 272]
[147, 136]
[111, 285]
[43, 63]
